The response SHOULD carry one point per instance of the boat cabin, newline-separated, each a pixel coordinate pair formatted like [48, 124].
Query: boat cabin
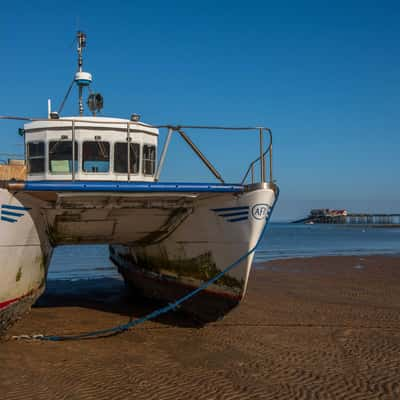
[90, 148]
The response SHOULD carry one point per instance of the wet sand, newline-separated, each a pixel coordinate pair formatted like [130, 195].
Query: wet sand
[318, 328]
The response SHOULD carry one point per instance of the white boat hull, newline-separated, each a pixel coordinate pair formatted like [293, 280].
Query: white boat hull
[24, 253]
[164, 244]
[217, 233]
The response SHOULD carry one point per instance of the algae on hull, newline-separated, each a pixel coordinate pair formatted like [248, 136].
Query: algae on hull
[19, 275]
[201, 267]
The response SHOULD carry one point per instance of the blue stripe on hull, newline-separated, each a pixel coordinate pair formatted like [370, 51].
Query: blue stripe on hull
[218, 210]
[93, 186]
[238, 219]
[8, 219]
[11, 213]
[234, 214]
[18, 208]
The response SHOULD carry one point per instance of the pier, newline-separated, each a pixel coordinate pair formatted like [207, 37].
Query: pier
[327, 216]
[372, 219]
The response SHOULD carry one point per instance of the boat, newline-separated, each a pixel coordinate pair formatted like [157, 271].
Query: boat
[94, 179]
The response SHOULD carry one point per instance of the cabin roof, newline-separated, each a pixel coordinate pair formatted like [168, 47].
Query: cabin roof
[89, 122]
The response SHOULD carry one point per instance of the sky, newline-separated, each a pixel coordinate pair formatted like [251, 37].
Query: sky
[324, 76]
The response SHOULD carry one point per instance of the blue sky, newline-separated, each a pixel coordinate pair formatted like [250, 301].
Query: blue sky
[325, 78]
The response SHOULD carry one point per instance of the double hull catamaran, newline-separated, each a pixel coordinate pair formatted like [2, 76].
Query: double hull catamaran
[91, 179]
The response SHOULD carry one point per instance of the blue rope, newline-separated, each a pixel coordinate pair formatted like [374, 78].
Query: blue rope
[171, 306]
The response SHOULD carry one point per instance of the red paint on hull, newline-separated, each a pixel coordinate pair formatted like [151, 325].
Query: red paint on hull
[4, 304]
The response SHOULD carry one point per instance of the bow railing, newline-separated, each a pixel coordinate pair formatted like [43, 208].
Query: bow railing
[266, 155]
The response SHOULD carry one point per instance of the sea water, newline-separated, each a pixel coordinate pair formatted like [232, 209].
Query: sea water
[280, 241]
[299, 240]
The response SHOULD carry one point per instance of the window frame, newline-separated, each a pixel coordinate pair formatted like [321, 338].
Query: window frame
[144, 160]
[109, 157]
[128, 147]
[72, 153]
[28, 157]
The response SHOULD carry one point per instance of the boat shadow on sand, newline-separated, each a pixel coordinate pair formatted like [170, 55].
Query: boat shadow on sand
[112, 296]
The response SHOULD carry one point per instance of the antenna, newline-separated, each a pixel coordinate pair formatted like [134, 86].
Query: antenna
[81, 45]
[82, 79]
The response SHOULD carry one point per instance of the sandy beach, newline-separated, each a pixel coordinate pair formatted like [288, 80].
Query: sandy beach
[316, 328]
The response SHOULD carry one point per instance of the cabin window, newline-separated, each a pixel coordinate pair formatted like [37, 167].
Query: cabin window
[96, 156]
[60, 157]
[35, 157]
[121, 157]
[149, 159]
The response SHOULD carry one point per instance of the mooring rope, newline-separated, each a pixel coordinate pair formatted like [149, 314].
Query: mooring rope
[154, 314]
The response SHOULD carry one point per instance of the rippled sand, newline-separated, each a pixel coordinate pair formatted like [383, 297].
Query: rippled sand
[321, 328]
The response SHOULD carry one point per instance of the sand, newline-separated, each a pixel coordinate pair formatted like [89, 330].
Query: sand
[320, 328]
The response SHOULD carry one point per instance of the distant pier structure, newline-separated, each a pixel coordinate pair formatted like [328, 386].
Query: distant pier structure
[327, 216]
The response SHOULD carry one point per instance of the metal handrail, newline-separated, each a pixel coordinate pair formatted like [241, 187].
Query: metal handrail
[262, 130]
[262, 156]
[202, 157]
[175, 128]
[124, 122]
